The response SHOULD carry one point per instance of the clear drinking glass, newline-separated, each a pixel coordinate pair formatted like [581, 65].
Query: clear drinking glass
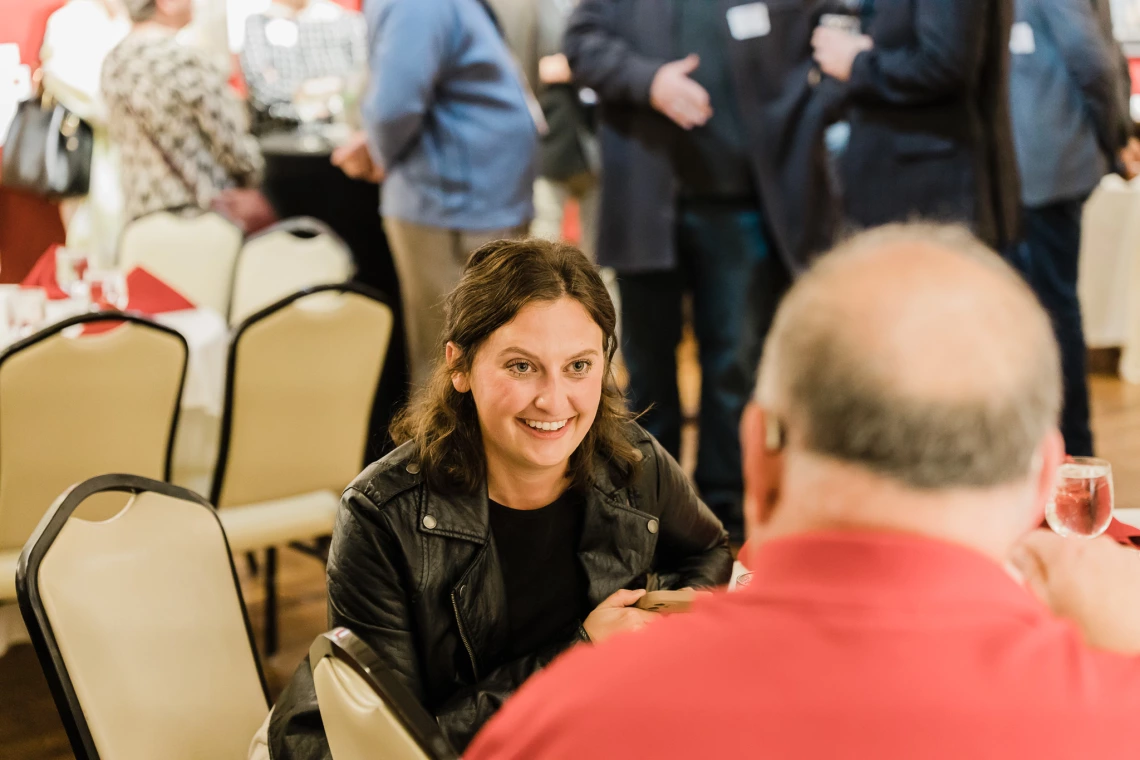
[1081, 504]
[108, 288]
[70, 267]
[27, 311]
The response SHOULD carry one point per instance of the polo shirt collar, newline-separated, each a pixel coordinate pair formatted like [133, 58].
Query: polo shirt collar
[872, 567]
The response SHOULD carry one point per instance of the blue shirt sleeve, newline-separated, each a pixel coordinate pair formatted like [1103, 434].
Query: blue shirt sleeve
[408, 47]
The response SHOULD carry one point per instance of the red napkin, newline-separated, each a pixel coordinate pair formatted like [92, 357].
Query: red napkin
[43, 275]
[149, 295]
[1125, 534]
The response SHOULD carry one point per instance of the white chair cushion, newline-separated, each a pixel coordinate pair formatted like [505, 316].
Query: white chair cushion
[274, 523]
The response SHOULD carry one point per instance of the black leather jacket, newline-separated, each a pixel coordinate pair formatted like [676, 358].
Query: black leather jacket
[416, 575]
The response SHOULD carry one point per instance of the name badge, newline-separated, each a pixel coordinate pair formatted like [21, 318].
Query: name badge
[1021, 39]
[281, 32]
[746, 22]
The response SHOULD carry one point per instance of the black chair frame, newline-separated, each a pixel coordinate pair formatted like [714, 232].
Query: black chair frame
[227, 429]
[345, 646]
[35, 617]
[112, 316]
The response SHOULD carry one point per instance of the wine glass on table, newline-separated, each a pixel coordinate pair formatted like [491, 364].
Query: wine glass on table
[108, 288]
[70, 268]
[1081, 504]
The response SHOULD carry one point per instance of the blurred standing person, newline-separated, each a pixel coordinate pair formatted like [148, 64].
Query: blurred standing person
[1128, 145]
[568, 156]
[1066, 129]
[78, 38]
[928, 87]
[693, 95]
[447, 119]
[182, 132]
[299, 47]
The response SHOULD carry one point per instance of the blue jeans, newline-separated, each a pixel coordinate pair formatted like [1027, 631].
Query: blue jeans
[736, 281]
[1049, 257]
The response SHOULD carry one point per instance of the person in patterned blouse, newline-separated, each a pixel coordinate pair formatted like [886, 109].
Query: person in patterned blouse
[183, 133]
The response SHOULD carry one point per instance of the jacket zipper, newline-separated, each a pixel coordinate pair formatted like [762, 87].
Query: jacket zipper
[463, 636]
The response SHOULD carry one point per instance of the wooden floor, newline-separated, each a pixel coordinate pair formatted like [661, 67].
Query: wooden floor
[30, 728]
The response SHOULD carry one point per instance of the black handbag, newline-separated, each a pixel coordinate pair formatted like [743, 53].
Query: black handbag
[48, 151]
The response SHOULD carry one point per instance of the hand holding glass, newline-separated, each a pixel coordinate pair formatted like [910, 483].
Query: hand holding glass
[1081, 504]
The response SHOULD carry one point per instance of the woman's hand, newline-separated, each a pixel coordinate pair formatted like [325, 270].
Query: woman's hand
[616, 615]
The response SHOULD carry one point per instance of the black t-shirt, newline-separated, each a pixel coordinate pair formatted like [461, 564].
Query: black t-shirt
[711, 161]
[546, 586]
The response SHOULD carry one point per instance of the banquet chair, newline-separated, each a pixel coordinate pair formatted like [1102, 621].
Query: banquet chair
[289, 256]
[194, 252]
[300, 385]
[366, 711]
[75, 406]
[140, 628]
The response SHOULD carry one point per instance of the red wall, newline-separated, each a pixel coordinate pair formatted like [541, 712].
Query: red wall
[28, 225]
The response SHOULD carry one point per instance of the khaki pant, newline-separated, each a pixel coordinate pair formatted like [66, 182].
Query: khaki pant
[429, 261]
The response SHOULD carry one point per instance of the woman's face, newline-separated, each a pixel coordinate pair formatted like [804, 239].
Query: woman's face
[537, 384]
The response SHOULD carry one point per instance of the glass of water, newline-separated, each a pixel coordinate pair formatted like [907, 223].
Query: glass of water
[27, 311]
[108, 288]
[70, 267]
[1081, 504]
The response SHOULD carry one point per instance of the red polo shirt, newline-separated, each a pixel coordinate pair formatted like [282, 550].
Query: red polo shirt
[857, 645]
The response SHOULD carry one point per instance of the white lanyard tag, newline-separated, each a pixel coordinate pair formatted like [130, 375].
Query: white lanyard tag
[746, 22]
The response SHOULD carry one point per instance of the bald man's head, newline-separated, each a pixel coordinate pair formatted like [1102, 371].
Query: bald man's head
[914, 351]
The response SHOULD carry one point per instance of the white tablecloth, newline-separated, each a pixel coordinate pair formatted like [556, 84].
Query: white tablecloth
[1110, 272]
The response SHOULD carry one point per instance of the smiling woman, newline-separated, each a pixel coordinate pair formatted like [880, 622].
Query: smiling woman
[524, 511]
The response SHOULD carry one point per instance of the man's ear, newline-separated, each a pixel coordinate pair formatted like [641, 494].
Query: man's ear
[1049, 457]
[761, 444]
[459, 380]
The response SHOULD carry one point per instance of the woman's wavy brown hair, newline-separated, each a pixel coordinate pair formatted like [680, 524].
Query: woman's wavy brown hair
[500, 279]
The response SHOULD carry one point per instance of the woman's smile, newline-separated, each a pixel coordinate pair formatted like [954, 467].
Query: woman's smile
[546, 429]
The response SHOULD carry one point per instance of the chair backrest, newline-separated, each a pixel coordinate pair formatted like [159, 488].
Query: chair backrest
[140, 626]
[289, 256]
[366, 711]
[193, 253]
[76, 406]
[302, 378]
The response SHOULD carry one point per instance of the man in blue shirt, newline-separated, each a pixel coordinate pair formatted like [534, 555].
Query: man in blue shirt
[1065, 126]
[447, 119]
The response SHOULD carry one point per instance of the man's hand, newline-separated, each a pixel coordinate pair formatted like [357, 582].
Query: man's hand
[677, 96]
[354, 160]
[1130, 157]
[835, 50]
[1095, 583]
[554, 69]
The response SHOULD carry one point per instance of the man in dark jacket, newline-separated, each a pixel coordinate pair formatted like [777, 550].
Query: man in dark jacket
[1067, 129]
[714, 184]
[929, 111]
[1124, 129]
